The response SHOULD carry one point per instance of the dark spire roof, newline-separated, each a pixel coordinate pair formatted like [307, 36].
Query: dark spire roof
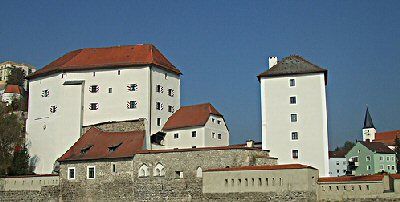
[368, 120]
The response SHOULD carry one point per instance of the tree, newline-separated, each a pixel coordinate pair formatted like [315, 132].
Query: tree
[346, 146]
[16, 77]
[397, 150]
[20, 163]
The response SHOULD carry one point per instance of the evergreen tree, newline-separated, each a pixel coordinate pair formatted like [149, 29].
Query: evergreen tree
[16, 77]
[20, 163]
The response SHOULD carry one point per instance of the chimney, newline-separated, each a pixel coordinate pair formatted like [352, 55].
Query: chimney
[249, 143]
[272, 60]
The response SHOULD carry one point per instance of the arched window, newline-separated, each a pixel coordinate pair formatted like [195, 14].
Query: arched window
[143, 171]
[159, 170]
[199, 172]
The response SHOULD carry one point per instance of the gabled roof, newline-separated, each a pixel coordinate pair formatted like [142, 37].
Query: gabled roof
[108, 57]
[388, 137]
[263, 167]
[364, 178]
[293, 65]
[13, 89]
[338, 154]
[189, 116]
[96, 144]
[368, 120]
[378, 147]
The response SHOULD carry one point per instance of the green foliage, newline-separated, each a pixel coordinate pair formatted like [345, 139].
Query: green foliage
[20, 163]
[346, 146]
[16, 77]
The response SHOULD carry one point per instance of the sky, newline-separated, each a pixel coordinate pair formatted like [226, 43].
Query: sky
[221, 46]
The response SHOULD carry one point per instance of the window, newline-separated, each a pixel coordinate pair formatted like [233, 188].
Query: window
[94, 74]
[233, 182]
[71, 173]
[392, 167]
[337, 163]
[199, 172]
[159, 106]
[295, 154]
[158, 121]
[213, 120]
[131, 104]
[246, 182]
[381, 167]
[194, 134]
[53, 109]
[171, 109]
[219, 136]
[295, 136]
[337, 171]
[176, 135]
[94, 106]
[367, 186]
[368, 167]
[143, 171]
[387, 158]
[109, 90]
[292, 82]
[392, 158]
[293, 117]
[368, 158]
[226, 182]
[293, 100]
[218, 122]
[259, 182]
[91, 172]
[266, 181]
[113, 168]
[179, 175]
[45, 93]
[159, 89]
[213, 135]
[381, 158]
[132, 87]
[388, 167]
[159, 170]
[359, 151]
[171, 92]
[94, 88]
[119, 72]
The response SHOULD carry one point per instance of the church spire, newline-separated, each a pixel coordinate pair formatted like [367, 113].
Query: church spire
[368, 120]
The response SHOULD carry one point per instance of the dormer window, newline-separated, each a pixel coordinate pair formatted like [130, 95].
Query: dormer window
[86, 149]
[132, 87]
[114, 147]
[45, 93]
[94, 88]
[171, 92]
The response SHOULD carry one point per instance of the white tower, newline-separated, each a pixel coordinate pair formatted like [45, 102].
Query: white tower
[369, 129]
[294, 113]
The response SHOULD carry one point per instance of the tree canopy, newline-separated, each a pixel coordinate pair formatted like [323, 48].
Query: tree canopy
[346, 146]
[16, 77]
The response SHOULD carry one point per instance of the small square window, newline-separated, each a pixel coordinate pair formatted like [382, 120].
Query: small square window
[218, 122]
[94, 106]
[159, 106]
[295, 154]
[109, 90]
[213, 135]
[178, 174]
[158, 121]
[171, 109]
[295, 136]
[171, 92]
[91, 172]
[293, 100]
[292, 82]
[71, 173]
[213, 120]
[94, 88]
[219, 136]
[159, 89]
[176, 135]
[131, 104]
[45, 93]
[53, 109]
[293, 117]
[194, 134]
[132, 87]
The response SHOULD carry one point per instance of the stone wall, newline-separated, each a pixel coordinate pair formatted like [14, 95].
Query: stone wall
[47, 193]
[122, 126]
[262, 196]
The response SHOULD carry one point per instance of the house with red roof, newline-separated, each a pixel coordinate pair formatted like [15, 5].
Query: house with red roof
[194, 126]
[11, 93]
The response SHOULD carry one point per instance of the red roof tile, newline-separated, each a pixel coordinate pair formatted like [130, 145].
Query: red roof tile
[96, 144]
[108, 57]
[387, 137]
[351, 178]
[395, 176]
[188, 116]
[264, 167]
[198, 149]
[338, 154]
[13, 89]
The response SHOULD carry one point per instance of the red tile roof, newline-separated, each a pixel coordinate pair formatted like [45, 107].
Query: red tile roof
[188, 116]
[378, 147]
[395, 176]
[198, 149]
[108, 57]
[352, 178]
[13, 89]
[263, 167]
[338, 154]
[387, 137]
[97, 144]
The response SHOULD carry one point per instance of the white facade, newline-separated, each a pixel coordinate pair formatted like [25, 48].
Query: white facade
[213, 133]
[369, 133]
[311, 144]
[337, 167]
[60, 104]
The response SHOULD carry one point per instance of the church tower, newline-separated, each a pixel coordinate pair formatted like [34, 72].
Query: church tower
[369, 129]
[294, 112]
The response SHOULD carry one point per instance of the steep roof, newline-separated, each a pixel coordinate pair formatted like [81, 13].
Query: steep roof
[293, 65]
[378, 147]
[188, 116]
[96, 144]
[368, 120]
[367, 178]
[108, 57]
[338, 154]
[388, 137]
[263, 167]
[13, 89]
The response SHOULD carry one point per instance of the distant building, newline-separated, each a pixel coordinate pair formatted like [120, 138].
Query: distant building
[294, 112]
[369, 130]
[337, 163]
[367, 158]
[195, 126]
[11, 93]
[7, 66]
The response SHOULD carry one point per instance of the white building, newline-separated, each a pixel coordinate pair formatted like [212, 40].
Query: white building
[11, 93]
[337, 163]
[294, 112]
[369, 130]
[98, 85]
[7, 66]
[194, 126]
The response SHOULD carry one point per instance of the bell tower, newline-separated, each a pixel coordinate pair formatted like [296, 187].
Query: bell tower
[369, 129]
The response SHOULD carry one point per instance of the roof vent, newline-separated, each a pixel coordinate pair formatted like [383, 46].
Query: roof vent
[272, 60]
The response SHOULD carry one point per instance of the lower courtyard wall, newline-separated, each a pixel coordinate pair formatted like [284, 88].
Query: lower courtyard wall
[261, 196]
[47, 193]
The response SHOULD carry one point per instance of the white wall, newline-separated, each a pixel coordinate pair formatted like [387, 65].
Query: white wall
[9, 97]
[333, 167]
[214, 127]
[311, 124]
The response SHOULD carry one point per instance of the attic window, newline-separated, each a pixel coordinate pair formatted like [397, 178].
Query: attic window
[114, 147]
[86, 149]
